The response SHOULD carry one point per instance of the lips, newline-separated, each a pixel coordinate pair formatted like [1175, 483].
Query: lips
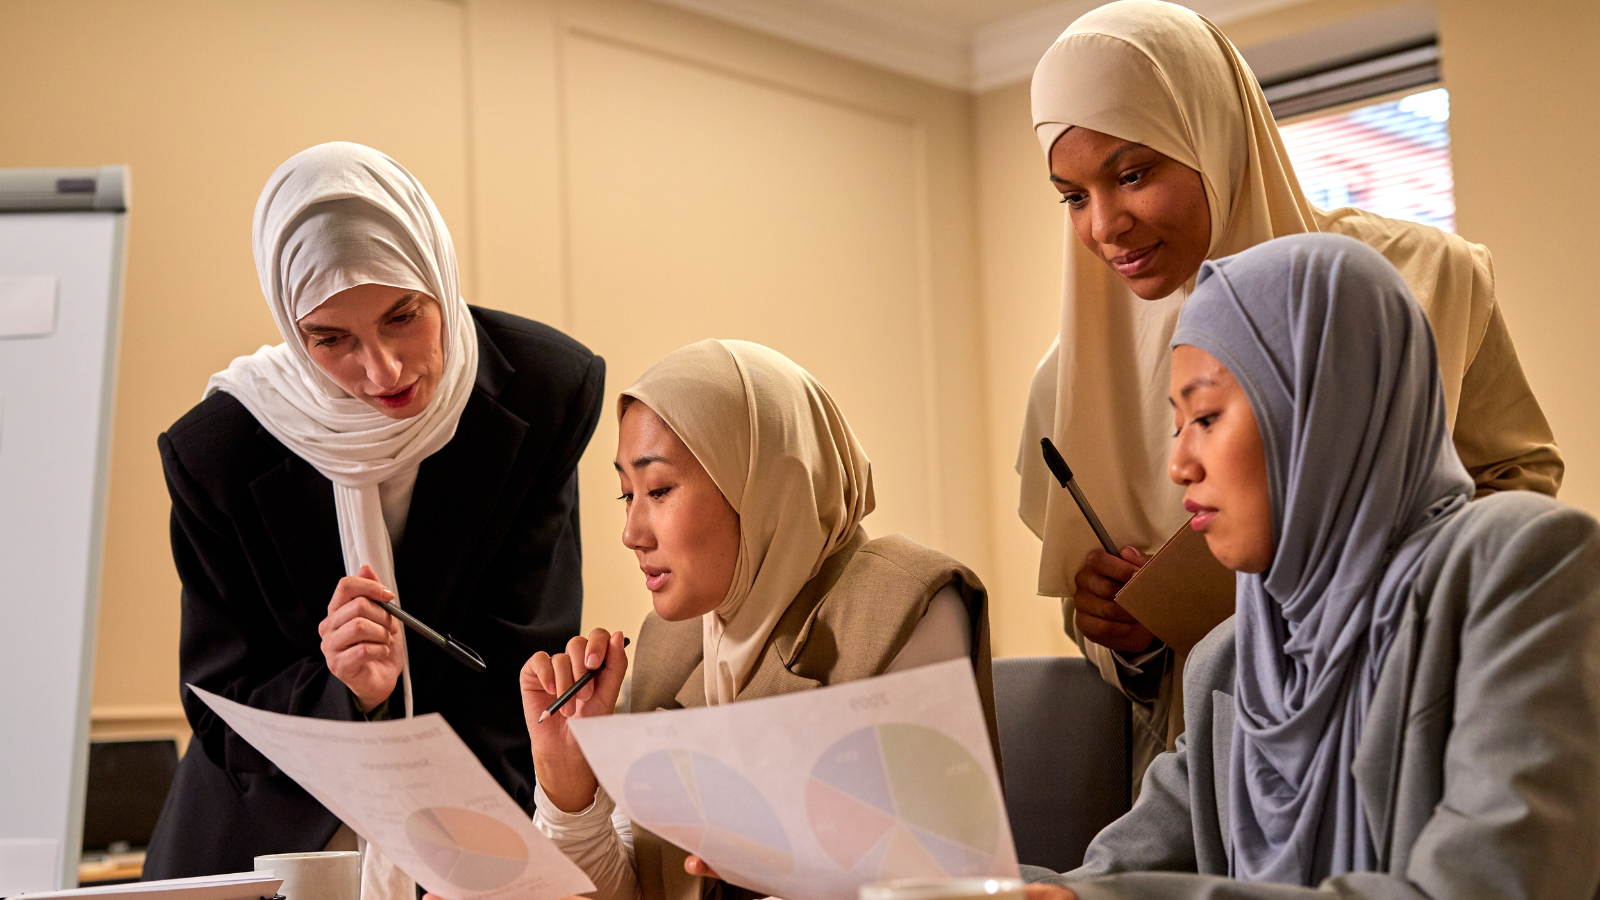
[397, 399]
[655, 578]
[1135, 261]
[1202, 515]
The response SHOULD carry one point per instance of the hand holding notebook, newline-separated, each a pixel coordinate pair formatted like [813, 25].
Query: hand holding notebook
[1180, 593]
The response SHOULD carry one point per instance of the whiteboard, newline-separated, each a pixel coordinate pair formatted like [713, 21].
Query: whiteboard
[60, 296]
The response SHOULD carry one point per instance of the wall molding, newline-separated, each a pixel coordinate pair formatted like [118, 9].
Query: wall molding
[1000, 53]
[910, 45]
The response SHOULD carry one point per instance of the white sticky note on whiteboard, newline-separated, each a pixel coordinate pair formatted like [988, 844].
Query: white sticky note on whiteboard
[27, 306]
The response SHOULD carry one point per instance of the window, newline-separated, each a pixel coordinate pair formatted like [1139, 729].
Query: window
[1390, 158]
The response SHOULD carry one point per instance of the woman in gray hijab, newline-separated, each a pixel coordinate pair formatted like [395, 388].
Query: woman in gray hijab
[1407, 701]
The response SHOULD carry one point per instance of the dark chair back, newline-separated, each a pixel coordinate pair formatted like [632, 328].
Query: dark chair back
[1064, 739]
[127, 784]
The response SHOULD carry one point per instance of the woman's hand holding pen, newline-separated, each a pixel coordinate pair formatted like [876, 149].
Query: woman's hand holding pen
[1095, 610]
[360, 641]
[557, 760]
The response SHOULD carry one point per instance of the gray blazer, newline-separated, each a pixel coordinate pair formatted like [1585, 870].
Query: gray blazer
[1479, 762]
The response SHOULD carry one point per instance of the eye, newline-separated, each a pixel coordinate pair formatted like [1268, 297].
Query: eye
[328, 341]
[402, 318]
[658, 493]
[1137, 176]
[1074, 200]
[1205, 421]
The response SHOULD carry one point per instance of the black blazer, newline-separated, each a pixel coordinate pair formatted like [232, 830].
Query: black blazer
[490, 554]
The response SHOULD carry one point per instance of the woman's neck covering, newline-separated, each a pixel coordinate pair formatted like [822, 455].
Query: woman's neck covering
[1339, 365]
[1161, 75]
[333, 217]
[781, 452]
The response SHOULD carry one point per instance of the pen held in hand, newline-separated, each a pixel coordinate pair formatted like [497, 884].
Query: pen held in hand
[571, 692]
[458, 651]
[1058, 468]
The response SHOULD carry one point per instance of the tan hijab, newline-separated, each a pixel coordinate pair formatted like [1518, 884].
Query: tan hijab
[780, 450]
[1163, 76]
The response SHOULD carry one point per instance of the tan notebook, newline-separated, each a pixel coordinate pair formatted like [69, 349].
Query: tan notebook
[1182, 592]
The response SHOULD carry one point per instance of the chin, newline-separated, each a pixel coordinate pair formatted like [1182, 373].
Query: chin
[1152, 287]
[1233, 556]
[671, 608]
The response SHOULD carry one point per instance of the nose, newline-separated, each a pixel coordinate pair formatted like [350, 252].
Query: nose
[1183, 467]
[383, 366]
[1108, 220]
[636, 532]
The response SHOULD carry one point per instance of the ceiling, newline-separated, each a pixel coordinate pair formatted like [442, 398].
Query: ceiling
[976, 45]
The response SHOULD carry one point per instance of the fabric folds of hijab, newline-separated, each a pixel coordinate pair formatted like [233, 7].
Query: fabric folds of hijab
[333, 217]
[781, 452]
[1161, 75]
[1339, 365]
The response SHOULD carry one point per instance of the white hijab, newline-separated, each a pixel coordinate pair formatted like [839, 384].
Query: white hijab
[1161, 75]
[333, 217]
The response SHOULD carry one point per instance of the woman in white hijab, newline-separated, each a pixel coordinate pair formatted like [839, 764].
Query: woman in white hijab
[1166, 155]
[1406, 704]
[398, 445]
[744, 489]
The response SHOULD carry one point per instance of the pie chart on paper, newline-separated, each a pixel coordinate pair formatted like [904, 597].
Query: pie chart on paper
[466, 848]
[903, 801]
[702, 805]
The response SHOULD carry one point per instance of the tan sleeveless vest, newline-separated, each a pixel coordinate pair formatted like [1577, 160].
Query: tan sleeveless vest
[848, 622]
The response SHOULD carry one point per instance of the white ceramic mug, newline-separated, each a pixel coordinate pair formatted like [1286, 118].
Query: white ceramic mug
[943, 889]
[322, 875]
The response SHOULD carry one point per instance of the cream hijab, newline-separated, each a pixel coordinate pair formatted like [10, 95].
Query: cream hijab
[1163, 76]
[781, 452]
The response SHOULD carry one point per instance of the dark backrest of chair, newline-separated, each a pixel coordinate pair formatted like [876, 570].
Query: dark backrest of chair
[1064, 736]
[127, 784]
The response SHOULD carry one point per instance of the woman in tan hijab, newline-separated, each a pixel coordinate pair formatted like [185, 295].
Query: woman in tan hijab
[745, 490]
[1166, 155]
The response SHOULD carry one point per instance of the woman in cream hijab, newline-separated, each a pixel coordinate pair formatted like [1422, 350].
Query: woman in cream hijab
[1162, 145]
[744, 489]
[397, 445]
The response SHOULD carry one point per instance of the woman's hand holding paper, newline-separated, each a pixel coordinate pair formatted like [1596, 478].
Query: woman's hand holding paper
[694, 865]
[558, 761]
[360, 641]
[1096, 612]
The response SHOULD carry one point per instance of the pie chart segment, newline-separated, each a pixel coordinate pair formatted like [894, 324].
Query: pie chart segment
[954, 858]
[900, 801]
[937, 784]
[466, 848]
[847, 828]
[657, 793]
[854, 765]
[702, 805]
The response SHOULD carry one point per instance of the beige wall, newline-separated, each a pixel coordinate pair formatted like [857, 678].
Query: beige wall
[1021, 241]
[635, 175]
[1524, 125]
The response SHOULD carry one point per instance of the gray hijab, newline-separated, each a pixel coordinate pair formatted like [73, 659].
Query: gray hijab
[1340, 368]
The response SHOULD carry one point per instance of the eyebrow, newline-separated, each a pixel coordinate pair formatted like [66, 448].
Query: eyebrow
[640, 462]
[1196, 384]
[313, 328]
[1110, 162]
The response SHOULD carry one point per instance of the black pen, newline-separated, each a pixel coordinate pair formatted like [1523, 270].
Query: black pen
[571, 692]
[459, 651]
[1058, 468]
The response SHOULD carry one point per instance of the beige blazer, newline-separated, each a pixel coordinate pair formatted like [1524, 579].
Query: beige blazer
[849, 622]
